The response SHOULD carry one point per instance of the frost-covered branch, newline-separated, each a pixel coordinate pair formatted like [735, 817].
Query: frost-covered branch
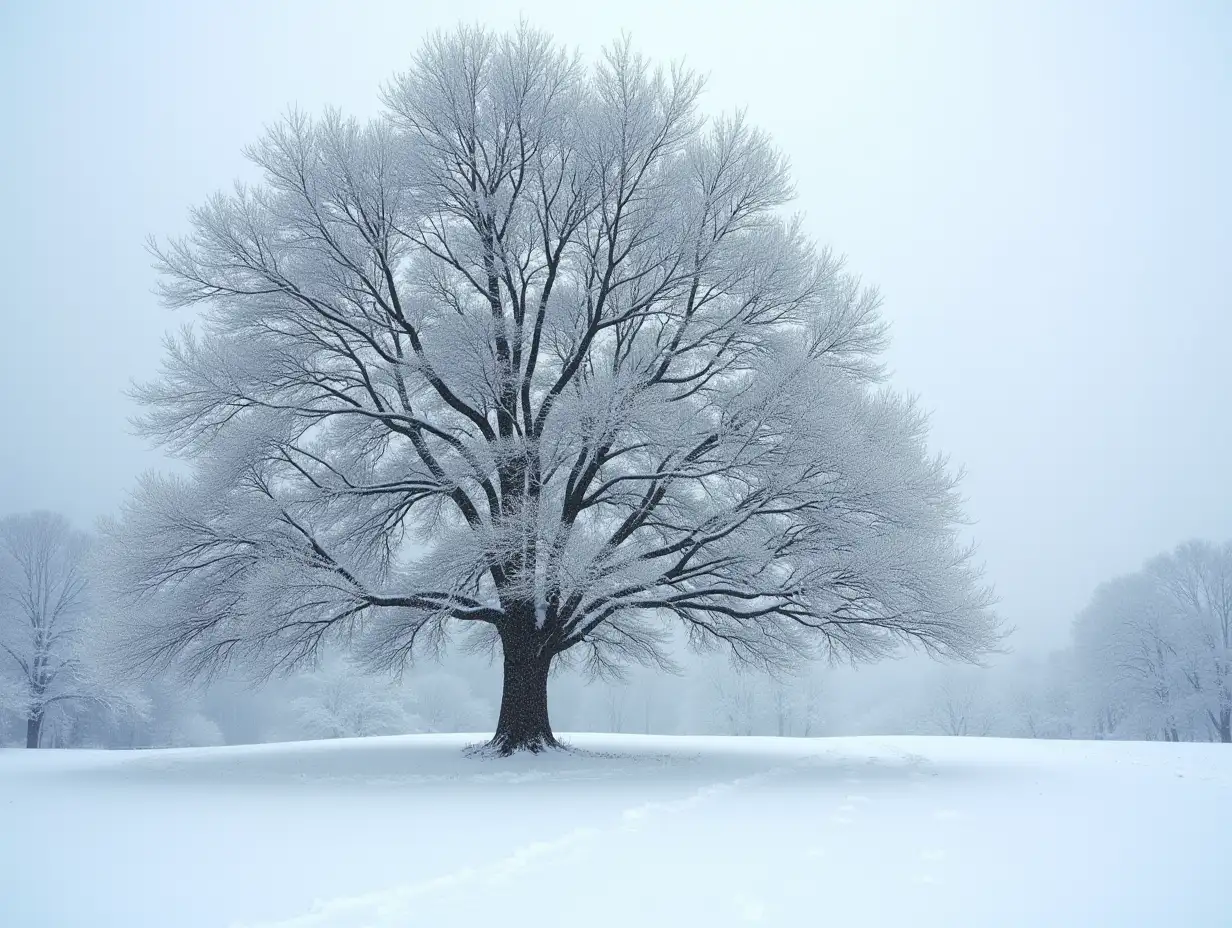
[539, 349]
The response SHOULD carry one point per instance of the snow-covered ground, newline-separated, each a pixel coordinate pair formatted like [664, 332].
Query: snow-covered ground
[643, 831]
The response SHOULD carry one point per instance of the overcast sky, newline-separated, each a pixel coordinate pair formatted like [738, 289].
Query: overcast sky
[1041, 191]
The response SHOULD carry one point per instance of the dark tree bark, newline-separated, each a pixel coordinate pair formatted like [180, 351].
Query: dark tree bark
[523, 722]
[34, 730]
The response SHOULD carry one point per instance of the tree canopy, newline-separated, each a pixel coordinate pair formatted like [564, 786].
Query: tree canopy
[535, 356]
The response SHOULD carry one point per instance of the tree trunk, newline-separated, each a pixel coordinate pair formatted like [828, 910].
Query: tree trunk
[34, 728]
[523, 723]
[1225, 726]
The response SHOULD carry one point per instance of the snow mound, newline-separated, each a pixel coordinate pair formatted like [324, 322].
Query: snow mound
[409, 831]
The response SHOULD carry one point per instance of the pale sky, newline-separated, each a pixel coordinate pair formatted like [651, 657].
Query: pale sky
[1042, 192]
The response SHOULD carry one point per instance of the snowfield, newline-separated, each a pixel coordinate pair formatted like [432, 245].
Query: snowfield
[629, 830]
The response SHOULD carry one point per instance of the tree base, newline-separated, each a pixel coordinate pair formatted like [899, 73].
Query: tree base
[506, 745]
[523, 725]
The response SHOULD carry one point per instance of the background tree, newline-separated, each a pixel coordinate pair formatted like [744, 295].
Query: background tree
[342, 703]
[42, 600]
[1125, 648]
[444, 702]
[1038, 696]
[615, 701]
[807, 716]
[738, 709]
[960, 706]
[1196, 580]
[1154, 648]
[175, 717]
[537, 357]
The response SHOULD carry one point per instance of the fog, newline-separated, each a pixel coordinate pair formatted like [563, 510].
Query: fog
[1039, 190]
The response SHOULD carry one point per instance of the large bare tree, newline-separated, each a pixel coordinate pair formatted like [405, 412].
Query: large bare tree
[536, 356]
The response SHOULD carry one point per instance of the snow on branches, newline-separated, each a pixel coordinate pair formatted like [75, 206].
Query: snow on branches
[537, 352]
